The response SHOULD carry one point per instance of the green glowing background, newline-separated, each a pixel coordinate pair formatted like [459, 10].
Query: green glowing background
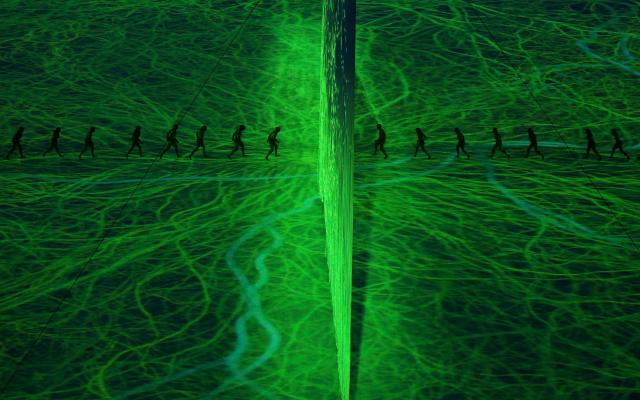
[479, 279]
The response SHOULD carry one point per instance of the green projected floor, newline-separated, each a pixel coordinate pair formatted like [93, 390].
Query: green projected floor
[473, 279]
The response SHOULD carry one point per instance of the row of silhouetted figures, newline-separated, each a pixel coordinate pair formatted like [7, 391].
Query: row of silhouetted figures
[272, 140]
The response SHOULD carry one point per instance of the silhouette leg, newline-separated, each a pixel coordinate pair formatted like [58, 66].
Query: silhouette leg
[235, 148]
[415, 153]
[166, 147]
[425, 150]
[204, 151]
[93, 151]
[193, 151]
[58, 150]
[465, 152]
[130, 149]
[597, 154]
[493, 150]
[621, 150]
[13, 148]
[276, 149]
[175, 147]
[458, 150]
[529, 150]
[593, 147]
[84, 148]
[47, 150]
[270, 151]
[383, 151]
[242, 149]
[375, 147]
[140, 149]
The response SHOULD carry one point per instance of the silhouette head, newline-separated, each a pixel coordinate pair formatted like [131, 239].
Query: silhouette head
[175, 126]
[457, 130]
[92, 129]
[587, 131]
[57, 130]
[241, 127]
[203, 128]
[21, 129]
[277, 129]
[418, 130]
[529, 130]
[138, 128]
[495, 130]
[379, 126]
[614, 132]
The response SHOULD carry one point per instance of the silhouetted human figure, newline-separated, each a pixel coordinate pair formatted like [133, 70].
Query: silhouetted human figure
[272, 139]
[591, 144]
[498, 145]
[15, 143]
[461, 143]
[420, 143]
[200, 141]
[172, 141]
[533, 143]
[618, 144]
[54, 142]
[88, 144]
[135, 141]
[379, 143]
[237, 141]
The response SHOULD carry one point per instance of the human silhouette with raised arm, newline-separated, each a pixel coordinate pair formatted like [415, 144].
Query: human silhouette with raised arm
[273, 141]
[237, 141]
[420, 143]
[135, 141]
[618, 144]
[591, 144]
[379, 143]
[172, 141]
[498, 145]
[533, 143]
[88, 144]
[54, 142]
[461, 143]
[15, 143]
[200, 141]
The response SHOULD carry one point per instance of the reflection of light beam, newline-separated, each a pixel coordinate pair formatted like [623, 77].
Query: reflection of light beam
[240, 374]
[335, 166]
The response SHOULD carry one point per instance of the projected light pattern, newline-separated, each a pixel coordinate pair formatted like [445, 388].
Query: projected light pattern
[335, 167]
[479, 279]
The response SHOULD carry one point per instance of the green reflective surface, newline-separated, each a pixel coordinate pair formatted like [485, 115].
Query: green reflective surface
[473, 279]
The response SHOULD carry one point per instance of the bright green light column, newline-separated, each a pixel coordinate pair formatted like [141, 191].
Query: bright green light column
[336, 166]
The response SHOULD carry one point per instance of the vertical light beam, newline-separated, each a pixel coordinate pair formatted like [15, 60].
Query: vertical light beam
[335, 159]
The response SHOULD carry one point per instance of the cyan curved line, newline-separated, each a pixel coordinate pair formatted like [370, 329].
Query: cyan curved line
[582, 44]
[557, 220]
[254, 310]
[584, 47]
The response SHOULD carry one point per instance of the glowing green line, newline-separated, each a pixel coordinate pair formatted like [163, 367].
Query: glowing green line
[335, 169]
